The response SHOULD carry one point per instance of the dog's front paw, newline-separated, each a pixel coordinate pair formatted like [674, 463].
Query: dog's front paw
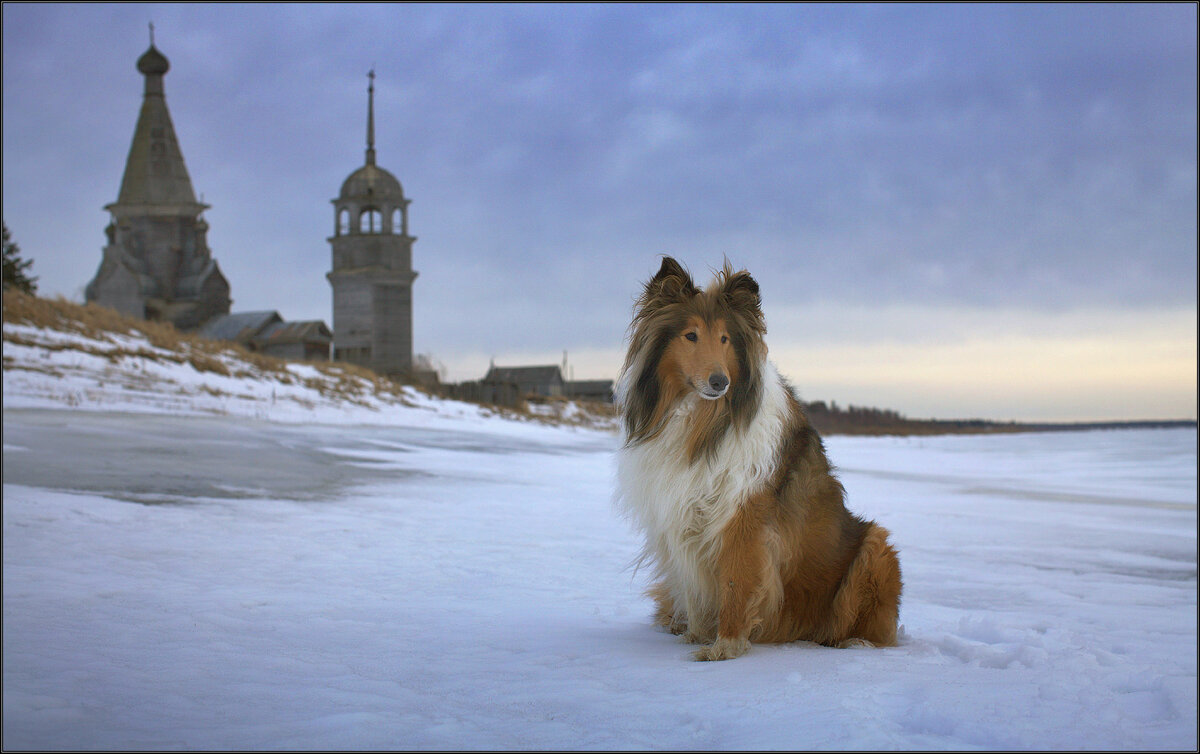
[723, 649]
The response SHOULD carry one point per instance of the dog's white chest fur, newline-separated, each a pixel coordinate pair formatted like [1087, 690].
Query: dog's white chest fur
[683, 507]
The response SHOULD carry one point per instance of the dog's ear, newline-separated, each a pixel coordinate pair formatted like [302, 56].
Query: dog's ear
[740, 291]
[671, 283]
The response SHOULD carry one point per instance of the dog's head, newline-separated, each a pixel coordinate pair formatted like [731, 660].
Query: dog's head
[687, 340]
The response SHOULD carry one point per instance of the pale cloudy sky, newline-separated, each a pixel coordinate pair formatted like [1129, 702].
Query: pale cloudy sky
[953, 210]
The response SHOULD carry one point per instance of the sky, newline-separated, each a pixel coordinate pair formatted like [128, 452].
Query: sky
[953, 211]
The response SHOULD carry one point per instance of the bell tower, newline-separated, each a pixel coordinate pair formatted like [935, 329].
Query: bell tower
[372, 273]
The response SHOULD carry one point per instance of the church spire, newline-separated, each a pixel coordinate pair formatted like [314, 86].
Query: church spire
[371, 117]
[154, 171]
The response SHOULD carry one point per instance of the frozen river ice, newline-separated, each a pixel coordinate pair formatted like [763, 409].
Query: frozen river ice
[156, 458]
[214, 582]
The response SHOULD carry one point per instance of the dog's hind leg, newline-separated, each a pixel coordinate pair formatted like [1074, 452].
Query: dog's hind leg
[855, 644]
[866, 608]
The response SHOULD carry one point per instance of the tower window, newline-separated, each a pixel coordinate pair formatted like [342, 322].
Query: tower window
[398, 221]
[370, 221]
[343, 222]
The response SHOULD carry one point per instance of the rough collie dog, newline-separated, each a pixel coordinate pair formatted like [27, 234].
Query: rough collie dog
[744, 522]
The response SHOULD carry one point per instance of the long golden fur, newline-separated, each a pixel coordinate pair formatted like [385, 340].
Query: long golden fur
[745, 523]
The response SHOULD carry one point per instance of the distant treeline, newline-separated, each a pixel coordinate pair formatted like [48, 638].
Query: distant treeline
[832, 419]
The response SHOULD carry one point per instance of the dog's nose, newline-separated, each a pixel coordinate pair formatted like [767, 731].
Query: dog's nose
[718, 381]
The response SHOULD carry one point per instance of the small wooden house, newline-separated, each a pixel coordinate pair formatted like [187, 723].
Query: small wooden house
[542, 381]
[600, 391]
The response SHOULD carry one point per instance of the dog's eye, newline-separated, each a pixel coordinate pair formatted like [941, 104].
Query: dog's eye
[692, 337]
[724, 338]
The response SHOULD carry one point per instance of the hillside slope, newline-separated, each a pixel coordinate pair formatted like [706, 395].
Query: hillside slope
[59, 354]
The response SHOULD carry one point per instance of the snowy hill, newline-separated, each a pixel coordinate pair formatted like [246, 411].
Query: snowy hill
[58, 354]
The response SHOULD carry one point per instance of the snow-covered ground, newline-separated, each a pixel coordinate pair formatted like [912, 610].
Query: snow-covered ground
[427, 575]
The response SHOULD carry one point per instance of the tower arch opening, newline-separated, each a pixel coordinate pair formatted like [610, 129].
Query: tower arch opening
[370, 220]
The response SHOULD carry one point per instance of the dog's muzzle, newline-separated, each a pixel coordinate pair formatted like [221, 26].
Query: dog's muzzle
[716, 386]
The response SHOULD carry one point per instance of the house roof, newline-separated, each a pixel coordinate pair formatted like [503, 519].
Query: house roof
[590, 386]
[525, 375]
[239, 326]
[308, 331]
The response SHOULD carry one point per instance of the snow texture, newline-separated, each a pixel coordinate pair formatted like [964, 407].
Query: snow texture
[187, 570]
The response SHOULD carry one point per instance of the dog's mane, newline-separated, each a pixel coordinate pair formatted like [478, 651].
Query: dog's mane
[661, 313]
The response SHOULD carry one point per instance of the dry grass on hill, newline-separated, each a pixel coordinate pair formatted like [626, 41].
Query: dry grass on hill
[164, 343]
[169, 344]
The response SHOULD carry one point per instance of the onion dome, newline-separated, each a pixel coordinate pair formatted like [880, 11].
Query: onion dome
[152, 62]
